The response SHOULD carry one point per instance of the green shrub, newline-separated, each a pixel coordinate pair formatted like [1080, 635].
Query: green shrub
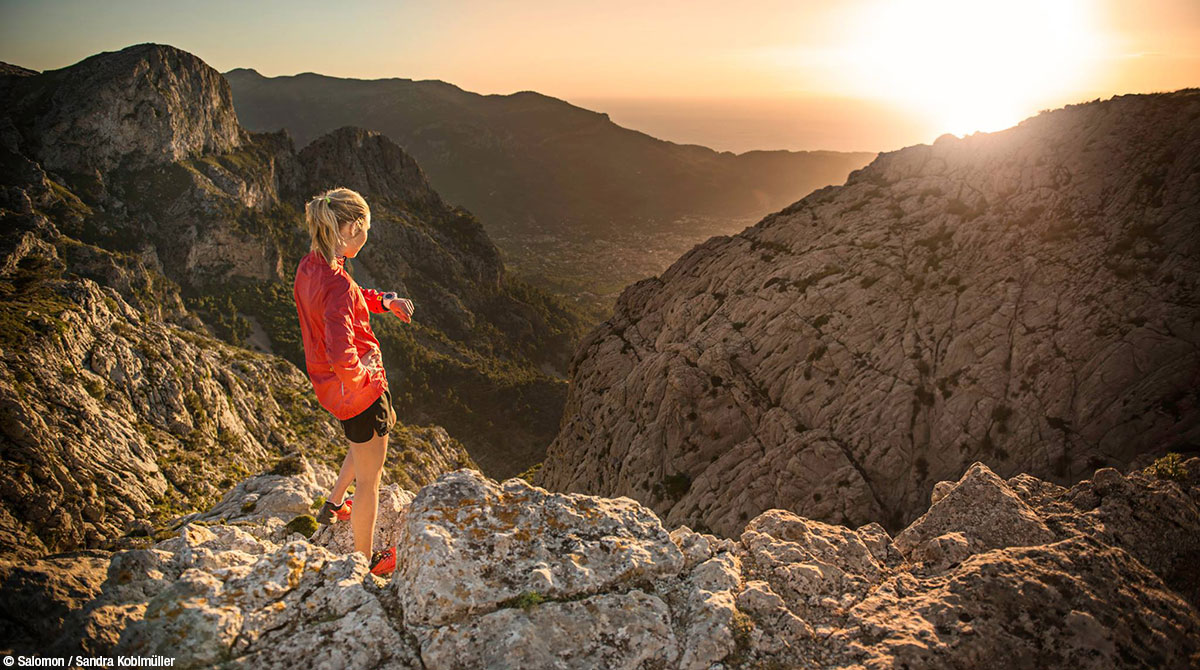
[288, 466]
[742, 627]
[528, 474]
[1168, 467]
[674, 486]
[304, 524]
[94, 387]
[526, 600]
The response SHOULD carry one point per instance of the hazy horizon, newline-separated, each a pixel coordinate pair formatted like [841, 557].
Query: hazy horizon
[863, 75]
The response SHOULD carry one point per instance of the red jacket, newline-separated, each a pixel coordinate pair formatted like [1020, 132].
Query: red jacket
[340, 350]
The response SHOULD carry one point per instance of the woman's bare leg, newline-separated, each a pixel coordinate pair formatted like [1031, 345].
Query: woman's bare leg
[345, 476]
[368, 468]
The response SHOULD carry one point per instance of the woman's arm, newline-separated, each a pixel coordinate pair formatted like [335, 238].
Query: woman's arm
[374, 301]
[401, 307]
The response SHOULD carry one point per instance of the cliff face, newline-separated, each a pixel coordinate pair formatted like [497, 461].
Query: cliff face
[1024, 298]
[164, 178]
[143, 105]
[505, 575]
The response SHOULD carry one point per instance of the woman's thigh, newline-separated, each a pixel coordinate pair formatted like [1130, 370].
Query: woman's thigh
[369, 457]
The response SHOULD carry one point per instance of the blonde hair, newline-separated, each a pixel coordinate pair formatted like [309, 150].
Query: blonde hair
[327, 212]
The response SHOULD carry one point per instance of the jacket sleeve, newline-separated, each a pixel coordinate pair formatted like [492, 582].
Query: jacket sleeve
[339, 340]
[374, 300]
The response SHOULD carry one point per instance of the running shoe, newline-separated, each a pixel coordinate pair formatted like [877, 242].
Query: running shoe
[383, 563]
[330, 514]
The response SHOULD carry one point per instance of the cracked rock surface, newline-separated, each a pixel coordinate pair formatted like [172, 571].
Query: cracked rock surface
[1024, 298]
[506, 575]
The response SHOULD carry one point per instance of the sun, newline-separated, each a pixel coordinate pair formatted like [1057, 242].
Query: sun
[969, 65]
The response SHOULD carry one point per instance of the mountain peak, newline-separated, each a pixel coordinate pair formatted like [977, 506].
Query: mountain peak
[245, 72]
[142, 105]
[366, 161]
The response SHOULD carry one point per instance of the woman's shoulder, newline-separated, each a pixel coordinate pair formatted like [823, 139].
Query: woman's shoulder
[315, 272]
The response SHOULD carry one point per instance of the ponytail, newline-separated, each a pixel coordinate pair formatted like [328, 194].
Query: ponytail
[326, 213]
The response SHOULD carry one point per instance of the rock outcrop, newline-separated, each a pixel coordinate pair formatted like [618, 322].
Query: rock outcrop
[1024, 298]
[505, 575]
[144, 105]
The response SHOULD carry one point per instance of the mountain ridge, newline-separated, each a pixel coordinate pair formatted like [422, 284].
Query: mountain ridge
[822, 360]
[257, 98]
[251, 72]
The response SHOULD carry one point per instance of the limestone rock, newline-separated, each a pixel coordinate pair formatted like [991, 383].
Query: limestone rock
[1146, 515]
[813, 566]
[220, 594]
[978, 514]
[940, 490]
[472, 544]
[1096, 608]
[41, 595]
[143, 105]
[283, 494]
[703, 610]
[612, 630]
[1020, 298]
[791, 592]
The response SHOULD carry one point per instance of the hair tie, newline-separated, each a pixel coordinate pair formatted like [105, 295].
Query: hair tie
[326, 200]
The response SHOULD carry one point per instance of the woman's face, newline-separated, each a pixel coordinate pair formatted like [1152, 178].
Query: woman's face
[356, 241]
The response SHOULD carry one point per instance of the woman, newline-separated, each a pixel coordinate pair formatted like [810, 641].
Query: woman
[343, 359]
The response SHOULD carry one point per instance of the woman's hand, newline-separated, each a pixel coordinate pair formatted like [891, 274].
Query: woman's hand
[401, 307]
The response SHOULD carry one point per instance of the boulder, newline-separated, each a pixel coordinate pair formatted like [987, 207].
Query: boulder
[470, 544]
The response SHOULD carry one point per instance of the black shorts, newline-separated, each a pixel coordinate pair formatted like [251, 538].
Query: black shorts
[377, 419]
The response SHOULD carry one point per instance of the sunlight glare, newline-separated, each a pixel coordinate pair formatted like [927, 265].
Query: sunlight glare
[970, 65]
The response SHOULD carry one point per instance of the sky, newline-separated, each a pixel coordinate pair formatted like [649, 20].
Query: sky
[853, 75]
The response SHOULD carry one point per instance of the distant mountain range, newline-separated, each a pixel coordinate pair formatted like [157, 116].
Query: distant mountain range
[532, 163]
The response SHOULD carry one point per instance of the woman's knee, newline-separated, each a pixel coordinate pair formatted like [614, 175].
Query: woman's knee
[369, 457]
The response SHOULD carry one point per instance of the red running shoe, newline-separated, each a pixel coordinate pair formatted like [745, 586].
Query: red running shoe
[343, 512]
[383, 563]
[331, 514]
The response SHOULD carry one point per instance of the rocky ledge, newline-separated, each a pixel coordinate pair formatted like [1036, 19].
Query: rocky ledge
[507, 575]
